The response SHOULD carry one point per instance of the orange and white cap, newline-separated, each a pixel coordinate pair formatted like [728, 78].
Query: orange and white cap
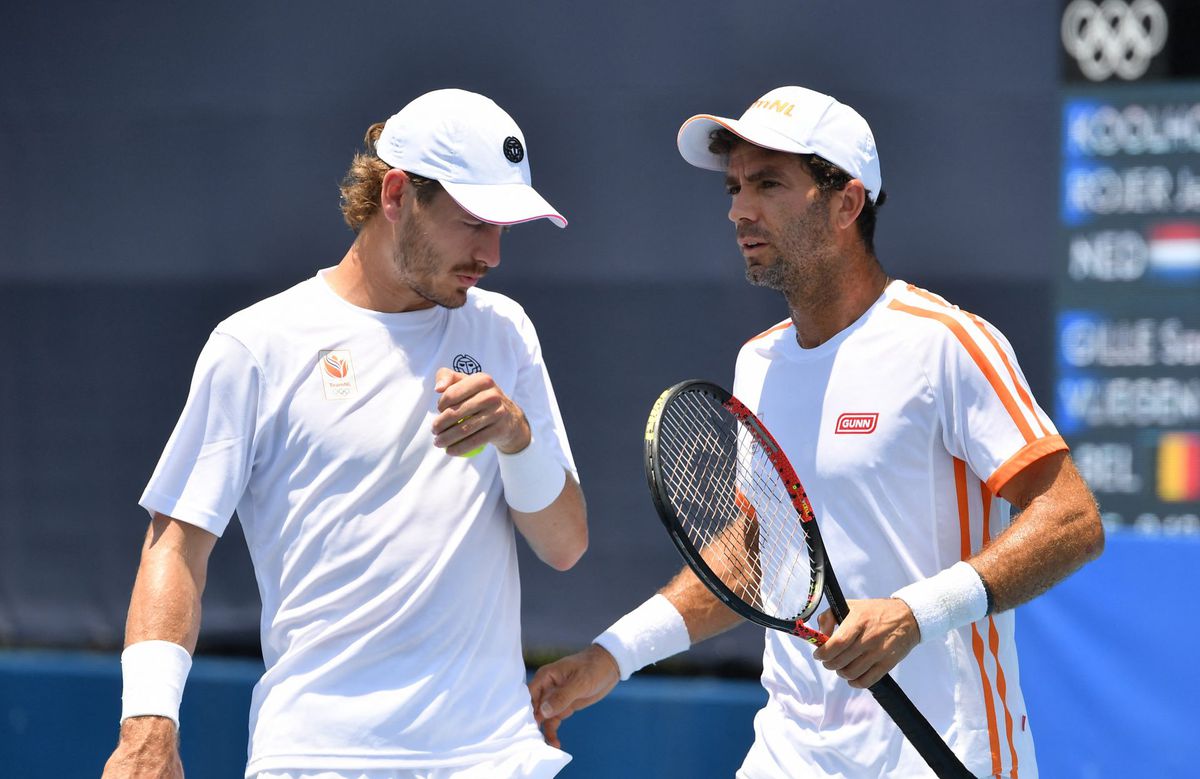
[473, 148]
[796, 120]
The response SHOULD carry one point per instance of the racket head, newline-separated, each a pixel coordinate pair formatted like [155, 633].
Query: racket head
[734, 507]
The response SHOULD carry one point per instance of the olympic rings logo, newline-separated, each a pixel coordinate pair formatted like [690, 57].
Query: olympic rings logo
[1114, 37]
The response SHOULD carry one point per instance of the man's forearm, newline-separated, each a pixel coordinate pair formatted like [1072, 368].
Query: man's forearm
[164, 607]
[165, 604]
[703, 613]
[558, 533]
[1057, 531]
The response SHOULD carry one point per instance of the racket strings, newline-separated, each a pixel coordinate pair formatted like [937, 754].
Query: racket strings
[734, 507]
[726, 537]
[794, 558]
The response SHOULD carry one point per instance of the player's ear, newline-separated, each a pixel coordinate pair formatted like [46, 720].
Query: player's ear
[849, 204]
[395, 187]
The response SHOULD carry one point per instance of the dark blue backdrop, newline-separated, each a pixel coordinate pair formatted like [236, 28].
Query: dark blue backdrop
[160, 168]
[163, 165]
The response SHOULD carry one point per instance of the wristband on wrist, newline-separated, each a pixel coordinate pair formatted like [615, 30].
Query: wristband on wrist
[533, 478]
[653, 631]
[153, 674]
[947, 600]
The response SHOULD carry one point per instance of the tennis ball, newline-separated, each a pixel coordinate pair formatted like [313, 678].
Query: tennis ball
[475, 451]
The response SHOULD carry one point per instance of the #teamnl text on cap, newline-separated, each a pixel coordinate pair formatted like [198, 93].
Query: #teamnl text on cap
[474, 148]
[796, 120]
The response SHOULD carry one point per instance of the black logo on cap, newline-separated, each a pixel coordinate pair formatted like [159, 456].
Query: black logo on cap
[513, 149]
[465, 363]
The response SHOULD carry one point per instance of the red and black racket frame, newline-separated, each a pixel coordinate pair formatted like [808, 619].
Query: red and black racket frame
[927, 741]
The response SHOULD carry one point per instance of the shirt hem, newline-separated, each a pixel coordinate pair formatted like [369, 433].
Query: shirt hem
[156, 502]
[414, 760]
[1030, 453]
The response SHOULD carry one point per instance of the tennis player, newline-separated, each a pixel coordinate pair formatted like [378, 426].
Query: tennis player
[913, 430]
[380, 428]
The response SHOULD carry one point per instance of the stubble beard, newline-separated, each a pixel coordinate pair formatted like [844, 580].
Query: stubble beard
[418, 263]
[804, 268]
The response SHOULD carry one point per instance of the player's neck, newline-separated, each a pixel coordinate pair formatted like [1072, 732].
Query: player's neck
[844, 299]
[366, 276]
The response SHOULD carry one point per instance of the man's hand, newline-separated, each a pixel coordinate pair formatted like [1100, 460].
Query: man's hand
[474, 412]
[148, 749]
[875, 637]
[565, 686]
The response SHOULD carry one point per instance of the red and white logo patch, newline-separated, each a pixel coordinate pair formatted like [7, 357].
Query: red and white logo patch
[856, 424]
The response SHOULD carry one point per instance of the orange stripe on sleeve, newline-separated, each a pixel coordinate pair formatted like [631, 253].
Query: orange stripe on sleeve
[1032, 451]
[984, 365]
[1022, 390]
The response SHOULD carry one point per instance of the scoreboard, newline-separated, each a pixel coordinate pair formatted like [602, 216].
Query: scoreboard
[1127, 391]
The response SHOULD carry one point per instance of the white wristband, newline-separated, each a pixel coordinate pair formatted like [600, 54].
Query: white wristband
[947, 600]
[153, 673]
[653, 631]
[533, 477]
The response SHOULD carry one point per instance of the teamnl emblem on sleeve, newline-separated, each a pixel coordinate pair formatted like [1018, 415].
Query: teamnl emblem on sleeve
[337, 374]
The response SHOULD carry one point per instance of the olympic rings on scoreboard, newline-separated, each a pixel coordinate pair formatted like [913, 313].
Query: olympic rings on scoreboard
[1114, 37]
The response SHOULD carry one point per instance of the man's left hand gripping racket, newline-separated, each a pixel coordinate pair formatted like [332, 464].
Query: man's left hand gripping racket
[739, 516]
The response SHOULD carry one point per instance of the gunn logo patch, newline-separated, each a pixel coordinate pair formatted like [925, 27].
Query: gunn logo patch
[856, 424]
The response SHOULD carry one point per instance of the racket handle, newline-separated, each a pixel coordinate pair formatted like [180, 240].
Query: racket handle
[927, 741]
[814, 637]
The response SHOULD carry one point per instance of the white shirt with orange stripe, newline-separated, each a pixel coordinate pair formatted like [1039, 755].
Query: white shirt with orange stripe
[903, 428]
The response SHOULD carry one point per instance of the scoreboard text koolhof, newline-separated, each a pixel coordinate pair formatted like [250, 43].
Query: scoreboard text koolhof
[1127, 394]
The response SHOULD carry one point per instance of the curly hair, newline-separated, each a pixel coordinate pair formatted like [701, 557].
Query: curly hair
[827, 176]
[363, 183]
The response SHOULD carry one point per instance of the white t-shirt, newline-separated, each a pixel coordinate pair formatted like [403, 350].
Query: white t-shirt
[902, 428]
[387, 568]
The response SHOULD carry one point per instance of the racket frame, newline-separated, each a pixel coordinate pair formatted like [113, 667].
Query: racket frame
[927, 741]
[821, 575]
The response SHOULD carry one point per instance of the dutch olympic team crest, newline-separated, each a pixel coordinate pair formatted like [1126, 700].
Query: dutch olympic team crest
[465, 363]
[337, 374]
[334, 366]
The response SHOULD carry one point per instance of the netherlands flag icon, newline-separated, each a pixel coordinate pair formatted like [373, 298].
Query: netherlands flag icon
[1175, 251]
[1179, 467]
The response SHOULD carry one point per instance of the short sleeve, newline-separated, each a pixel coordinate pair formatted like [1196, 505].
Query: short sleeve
[206, 464]
[535, 395]
[990, 418]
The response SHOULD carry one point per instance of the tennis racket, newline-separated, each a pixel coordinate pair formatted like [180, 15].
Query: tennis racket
[739, 515]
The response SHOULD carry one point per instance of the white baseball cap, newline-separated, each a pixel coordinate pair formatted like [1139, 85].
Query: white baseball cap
[474, 148]
[796, 120]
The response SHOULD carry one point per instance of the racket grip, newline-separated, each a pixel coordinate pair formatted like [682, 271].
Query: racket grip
[927, 741]
[814, 637]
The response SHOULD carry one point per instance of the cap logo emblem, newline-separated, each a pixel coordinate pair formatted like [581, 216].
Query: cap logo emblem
[513, 149]
[775, 105]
